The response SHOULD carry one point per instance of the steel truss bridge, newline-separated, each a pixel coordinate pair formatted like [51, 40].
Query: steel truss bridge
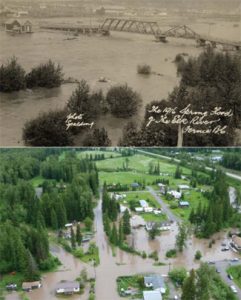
[180, 31]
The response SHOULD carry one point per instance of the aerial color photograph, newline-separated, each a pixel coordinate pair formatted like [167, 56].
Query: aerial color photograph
[120, 73]
[120, 223]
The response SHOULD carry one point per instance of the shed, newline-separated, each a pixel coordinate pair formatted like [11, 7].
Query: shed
[152, 295]
[184, 204]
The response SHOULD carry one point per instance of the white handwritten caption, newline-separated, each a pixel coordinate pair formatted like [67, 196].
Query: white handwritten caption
[77, 120]
[189, 119]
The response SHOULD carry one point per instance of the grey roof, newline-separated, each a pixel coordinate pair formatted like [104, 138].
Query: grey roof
[156, 281]
[152, 295]
[67, 285]
[38, 191]
[20, 21]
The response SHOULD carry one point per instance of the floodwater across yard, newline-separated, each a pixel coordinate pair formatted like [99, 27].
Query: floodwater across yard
[91, 57]
[123, 263]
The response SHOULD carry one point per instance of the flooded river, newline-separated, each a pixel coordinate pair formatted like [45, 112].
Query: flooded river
[91, 57]
[124, 263]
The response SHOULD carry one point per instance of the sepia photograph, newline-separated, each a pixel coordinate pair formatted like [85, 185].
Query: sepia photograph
[120, 223]
[120, 73]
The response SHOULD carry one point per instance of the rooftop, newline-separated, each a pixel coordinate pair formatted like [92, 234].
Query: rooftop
[67, 285]
[152, 295]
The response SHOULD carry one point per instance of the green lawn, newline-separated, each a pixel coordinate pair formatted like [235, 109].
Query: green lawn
[130, 282]
[141, 196]
[140, 163]
[193, 198]
[18, 278]
[148, 217]
[235, 271]
[126, 177]
[36, 181]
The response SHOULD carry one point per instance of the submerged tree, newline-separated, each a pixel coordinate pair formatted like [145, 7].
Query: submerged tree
[12, 76]
[123, 101]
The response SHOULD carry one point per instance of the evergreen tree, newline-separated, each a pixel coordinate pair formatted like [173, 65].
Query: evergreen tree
[114, 235]
[73, 240]
[54, 221]
[126, 222]
[189, 287]
[120, 234]
[78, 235]
[182, 236]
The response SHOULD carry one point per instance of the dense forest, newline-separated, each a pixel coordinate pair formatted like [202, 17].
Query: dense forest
[67, 186]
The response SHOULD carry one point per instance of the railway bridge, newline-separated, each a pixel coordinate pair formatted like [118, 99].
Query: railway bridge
[180, 31]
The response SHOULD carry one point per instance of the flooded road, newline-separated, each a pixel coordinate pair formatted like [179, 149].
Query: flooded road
[123, 263]
[91, 57]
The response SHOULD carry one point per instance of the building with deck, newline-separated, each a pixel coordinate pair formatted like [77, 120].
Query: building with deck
[18, 26]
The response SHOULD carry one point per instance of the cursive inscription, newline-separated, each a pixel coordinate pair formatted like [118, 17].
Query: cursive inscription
[77, 120]
[192, 121]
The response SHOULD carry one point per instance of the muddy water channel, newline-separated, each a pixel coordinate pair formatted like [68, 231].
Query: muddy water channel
[124, 263]
[91, 57]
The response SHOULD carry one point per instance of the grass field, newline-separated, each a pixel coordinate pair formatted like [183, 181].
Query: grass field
[126, 177]
[193, 198]
[148, 217]
[36, 181]
[139, 163]
[235, 271]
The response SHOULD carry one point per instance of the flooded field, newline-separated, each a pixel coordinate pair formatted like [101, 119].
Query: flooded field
[123, 263]
[91, 57]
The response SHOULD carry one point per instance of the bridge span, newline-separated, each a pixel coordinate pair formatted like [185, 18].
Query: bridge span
[147, 27]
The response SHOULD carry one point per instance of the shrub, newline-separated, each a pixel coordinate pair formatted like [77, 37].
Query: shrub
[144, 69]
[178, 275]
[46, 75]
[171, 253]
[99, 137]
[12, 76]
[198, 255]
[49, 263]
[79, 253]
[123, 101]
[48, 129]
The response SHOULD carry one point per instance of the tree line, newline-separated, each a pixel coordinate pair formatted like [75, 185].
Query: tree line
[26, 217]
[14, 78]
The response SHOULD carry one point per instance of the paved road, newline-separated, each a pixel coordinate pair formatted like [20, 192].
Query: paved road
[232, 175]
[222, 266]
[164, 206]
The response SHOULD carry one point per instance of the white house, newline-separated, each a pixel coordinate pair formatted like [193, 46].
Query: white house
[152, 295]
[123, 208]
[175, 194]
[148, 209]
[139, 209]
[67, 287]
[184, 187]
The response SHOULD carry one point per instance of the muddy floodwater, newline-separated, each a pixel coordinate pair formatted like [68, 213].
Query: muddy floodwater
[90, 57]
[123, 263]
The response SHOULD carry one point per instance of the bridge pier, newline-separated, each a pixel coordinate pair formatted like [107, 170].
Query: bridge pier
[161, 38]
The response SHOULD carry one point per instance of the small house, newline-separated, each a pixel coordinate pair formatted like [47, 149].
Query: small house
[152, 295]
[175, 194]
[135, 185]
[184, 187]
[184, 204]
[67, 287]
[28, 286]
[68, 225]
[155, 282]
[148, 209]
[139, 209]
[18, 26]
[11, 287]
